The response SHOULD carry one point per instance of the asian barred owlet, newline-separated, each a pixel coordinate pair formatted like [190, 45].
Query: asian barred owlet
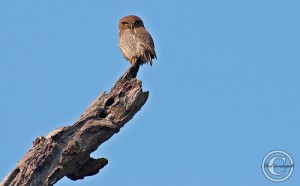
[135, 41]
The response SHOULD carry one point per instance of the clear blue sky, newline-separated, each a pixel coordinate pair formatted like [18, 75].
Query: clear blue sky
[224, 91]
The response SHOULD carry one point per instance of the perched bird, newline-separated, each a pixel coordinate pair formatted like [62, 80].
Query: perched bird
[135, 42]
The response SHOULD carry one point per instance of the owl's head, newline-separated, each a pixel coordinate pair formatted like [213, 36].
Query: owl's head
[130, 22]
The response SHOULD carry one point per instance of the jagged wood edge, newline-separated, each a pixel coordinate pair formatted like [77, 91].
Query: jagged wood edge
[66, 150]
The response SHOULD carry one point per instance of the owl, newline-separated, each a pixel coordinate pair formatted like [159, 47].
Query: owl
[135, 42]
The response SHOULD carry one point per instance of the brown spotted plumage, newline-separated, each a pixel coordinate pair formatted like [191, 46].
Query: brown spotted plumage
[135, 41]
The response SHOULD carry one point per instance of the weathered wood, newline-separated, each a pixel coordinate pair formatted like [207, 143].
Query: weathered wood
[66, 150]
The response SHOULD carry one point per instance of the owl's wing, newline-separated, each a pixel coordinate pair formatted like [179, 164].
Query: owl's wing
[146, 41]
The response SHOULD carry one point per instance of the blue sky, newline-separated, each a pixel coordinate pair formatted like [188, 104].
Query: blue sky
[224, 90]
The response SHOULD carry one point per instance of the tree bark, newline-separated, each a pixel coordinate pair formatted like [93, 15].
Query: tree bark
[66, 150]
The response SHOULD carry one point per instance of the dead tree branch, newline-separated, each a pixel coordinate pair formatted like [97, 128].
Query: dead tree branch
[66, 150]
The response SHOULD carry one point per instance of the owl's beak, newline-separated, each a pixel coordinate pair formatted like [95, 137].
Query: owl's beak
[131, 26]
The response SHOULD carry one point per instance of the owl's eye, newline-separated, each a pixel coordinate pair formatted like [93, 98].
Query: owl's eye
[137, 23]
[125, 23]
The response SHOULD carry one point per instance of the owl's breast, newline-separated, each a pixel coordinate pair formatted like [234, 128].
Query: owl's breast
[128, 43]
